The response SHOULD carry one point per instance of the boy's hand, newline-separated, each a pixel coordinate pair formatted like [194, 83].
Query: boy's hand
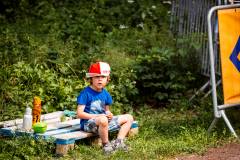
[109, 115]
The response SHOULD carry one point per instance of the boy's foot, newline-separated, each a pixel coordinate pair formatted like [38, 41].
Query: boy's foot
[108, 148]
[119, 144]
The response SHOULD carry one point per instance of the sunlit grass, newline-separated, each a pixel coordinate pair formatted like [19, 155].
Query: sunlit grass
[163, 134]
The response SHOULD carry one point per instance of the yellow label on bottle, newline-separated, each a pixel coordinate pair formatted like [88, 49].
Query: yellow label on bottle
[36, 112]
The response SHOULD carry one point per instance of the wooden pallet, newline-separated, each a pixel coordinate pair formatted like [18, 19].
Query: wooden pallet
[64, 134]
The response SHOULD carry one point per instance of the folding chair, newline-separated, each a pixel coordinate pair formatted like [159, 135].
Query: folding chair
[229, 36]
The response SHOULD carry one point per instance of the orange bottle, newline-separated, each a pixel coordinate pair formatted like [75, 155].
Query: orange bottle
[36, 112]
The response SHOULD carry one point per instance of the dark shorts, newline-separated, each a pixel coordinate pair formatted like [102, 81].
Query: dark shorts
[90, 125]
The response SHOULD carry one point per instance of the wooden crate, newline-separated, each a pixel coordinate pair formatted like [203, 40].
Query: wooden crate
[64, 134]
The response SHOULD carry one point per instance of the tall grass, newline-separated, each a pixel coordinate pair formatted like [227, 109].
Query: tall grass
[163, 134]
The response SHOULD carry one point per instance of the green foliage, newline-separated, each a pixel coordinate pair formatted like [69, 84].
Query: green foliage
[26, 148]
[47, 46]
[166, 74]
[26, 80]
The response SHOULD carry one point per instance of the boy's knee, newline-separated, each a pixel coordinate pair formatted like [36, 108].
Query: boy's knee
[129, 117]
[103, 121]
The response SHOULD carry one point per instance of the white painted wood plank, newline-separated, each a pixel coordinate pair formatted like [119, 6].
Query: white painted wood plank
[73, 135]
[45, 117]
[65, 124]
[52, 115]
[52, 121]
[60, 131]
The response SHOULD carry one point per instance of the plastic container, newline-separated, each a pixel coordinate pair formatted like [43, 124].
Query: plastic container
[27, 119]
[40, 127]
[37, 108]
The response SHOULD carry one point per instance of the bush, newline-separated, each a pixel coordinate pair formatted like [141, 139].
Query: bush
[47, 47]
[24, 81]
[166, 74]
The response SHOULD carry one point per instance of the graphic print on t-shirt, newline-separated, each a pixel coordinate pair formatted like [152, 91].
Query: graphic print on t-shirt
[97, 107]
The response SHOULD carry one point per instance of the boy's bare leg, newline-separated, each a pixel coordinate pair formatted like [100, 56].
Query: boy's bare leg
[125, 121]
[102, 123]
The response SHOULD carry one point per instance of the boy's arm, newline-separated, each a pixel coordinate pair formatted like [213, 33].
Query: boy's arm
[83, 115]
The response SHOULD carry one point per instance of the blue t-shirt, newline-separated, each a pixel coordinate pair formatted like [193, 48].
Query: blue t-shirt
[95, 102]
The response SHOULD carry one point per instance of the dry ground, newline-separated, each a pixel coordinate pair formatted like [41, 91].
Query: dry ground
[227, 152]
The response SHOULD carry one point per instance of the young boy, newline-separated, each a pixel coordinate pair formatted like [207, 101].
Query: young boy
[94, 109]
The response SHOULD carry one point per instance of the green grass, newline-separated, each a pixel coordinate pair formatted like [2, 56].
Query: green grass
[162, 134]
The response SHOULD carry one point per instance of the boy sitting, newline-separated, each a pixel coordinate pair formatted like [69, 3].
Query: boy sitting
[94, 109]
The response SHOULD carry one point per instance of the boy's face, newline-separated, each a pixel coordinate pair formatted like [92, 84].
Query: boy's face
[99, 82]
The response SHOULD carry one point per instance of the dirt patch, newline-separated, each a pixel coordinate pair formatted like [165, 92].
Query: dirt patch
[227, 152]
